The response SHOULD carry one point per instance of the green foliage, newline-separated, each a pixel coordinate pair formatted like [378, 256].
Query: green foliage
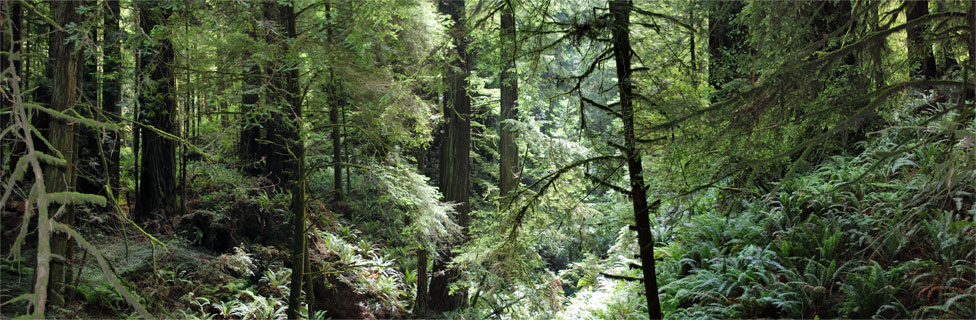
[410, 195]
[818, 177]
[856, 237]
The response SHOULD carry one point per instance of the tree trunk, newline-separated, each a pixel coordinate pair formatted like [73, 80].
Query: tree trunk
[291, 150]
[61, 134]
[112, 88]
[455, 157]
[334, 117]
[336, 144]
[920, 56]
[92, 168]
[309, 283]
[969, 113]
[508, 151]
[281, 129]
[157, 193]
[13, 9]
[420, 308]
[620, 9]
[420, 305]
[250, 131]
[724, 42]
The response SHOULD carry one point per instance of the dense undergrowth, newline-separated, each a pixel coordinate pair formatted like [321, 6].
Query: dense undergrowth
[885, 233]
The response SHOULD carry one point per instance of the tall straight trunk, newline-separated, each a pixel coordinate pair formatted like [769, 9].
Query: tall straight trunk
[875, 54]
[61, 134]
[250, 131]
[723, 45]
[620, 9]
[250, 118]
[455, 157]
[920, 56]
[309, 284]
[508, 151]
[334, 117]
[112, 88]
[291, 152]
[280, 131]
[336, 145]
[157, 193]
[12, 43]
[420, 306]
[92, 154]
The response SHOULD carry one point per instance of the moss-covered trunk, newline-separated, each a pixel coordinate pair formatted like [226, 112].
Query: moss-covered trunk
[10, 43]
[61, 134]
[157, 188]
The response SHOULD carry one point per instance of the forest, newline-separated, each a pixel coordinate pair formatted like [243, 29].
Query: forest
[487, 159]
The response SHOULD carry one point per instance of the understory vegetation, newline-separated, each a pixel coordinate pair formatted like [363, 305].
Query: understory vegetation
[488, 159]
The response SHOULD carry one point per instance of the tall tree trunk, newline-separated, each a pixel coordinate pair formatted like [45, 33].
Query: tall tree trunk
[92, 169]
[620, 9]
[309, 283]
[291, 150]
[455, 157]
[12, 43]
[920, 56]
[250, 118]
[157, 193]
[692, 49]
[336, 145]
[723, 44]
[420, 306]
[279, 130]
[248, 148]
[112, 87]
[334, 117]
[508, 151]
[61, 134]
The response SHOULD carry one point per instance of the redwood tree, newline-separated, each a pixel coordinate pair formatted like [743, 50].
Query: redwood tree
[157, 188]
[507, 149]
[61, 133]
[455, 170]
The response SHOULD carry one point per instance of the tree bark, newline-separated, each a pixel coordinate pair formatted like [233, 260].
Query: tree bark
[920, 56]
[13, 9]
[336, 146]
[61, 134]
[92, 168]
[724, 42]
[291, 147]
[455, 157]
[250, 132]
[508, 151]
[279, 130]
[157, 193]
[620, 9]
[112, 88]
[334, 117]
[309, 283]
[420, 308]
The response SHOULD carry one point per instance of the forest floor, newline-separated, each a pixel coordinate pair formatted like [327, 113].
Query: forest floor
[210, 268]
